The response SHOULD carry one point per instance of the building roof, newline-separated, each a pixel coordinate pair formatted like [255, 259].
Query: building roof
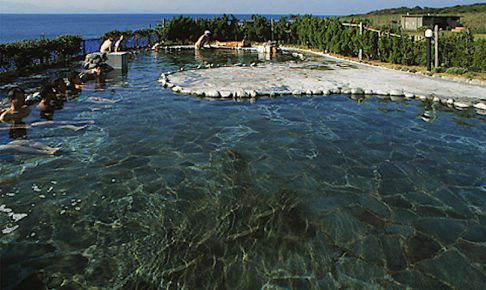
[435, 16]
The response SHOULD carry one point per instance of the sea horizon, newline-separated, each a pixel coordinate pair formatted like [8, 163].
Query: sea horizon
[27, 26]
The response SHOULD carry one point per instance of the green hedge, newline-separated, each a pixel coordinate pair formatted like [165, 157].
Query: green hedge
[329, 35]
[29, 53]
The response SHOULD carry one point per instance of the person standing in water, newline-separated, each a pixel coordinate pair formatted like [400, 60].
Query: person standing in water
[202, 40]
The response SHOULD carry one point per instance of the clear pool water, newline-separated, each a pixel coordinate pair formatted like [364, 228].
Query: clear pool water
[172, 191]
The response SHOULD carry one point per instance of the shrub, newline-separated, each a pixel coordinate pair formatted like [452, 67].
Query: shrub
[456, 70]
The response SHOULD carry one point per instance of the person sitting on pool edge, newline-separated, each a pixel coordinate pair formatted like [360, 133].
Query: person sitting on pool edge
[18, 108]
[118, 47]
[202, 40]
[106, 46]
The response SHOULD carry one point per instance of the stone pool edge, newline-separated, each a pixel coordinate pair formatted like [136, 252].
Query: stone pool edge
[394, 94]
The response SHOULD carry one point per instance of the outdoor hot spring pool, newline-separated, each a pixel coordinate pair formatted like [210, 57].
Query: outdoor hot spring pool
[173, 191]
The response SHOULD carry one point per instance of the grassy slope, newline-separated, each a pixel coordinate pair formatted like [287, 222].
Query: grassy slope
[473, 16]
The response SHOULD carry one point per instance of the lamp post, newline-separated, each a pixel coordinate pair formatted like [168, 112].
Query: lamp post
[428, 37]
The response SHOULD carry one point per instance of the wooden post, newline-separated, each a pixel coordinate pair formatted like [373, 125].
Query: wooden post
[271, 22]
[360, 54]
[436, 40]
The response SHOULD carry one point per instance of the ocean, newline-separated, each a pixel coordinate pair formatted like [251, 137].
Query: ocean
[15, 27]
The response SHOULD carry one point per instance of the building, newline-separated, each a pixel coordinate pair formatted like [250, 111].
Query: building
[414, 22]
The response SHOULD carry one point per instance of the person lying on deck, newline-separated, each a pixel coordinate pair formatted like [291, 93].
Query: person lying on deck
[233, 44]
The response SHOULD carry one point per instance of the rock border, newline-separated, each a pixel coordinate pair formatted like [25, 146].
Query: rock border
[356, 92]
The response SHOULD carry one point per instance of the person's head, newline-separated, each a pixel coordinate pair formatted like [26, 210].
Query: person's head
[59, 86]
[16, 97]
[207, 32]
[47, 92]
[74, 78]
[99, 70]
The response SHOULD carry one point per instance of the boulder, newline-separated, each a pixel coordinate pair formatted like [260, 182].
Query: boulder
[422, 98]
[409, 95]
[176, 89]
[368, 92]
[396, 93]
[357, 91]
[252, 93]
[461, 105]
[242, 94]
[335, 91]
[297, 93]
[480, 106]
[225, 94]
[346, 91]
[212, 94]
[381, 93]
[317, 92]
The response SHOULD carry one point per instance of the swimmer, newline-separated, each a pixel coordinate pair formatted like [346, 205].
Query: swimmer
[30, 147]
[48, 104]
[156, 47]
[18, 108]
[60, 88]
[202, 40]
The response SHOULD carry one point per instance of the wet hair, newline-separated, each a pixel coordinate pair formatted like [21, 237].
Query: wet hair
[12, 93]
[59, 85]
[47, 91]
[74, 78]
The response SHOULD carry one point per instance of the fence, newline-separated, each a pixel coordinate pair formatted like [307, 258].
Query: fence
[35, 54]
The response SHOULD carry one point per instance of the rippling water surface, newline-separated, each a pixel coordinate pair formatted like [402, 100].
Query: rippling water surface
[172, 191]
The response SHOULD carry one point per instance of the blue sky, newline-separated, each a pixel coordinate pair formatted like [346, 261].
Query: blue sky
[326, 7]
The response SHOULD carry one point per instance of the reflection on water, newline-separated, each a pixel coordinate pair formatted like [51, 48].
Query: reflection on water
[172, 191]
